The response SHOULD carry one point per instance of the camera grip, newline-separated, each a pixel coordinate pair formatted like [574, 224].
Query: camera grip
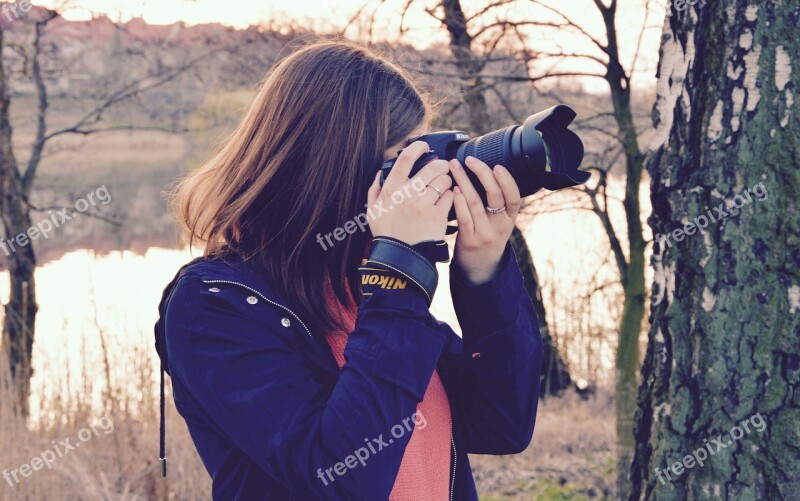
[421, 162]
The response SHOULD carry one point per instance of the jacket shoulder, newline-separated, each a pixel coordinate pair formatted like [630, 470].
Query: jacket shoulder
[223, 298]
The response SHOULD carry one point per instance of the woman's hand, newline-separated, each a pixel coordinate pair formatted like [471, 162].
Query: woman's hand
[482, 236]
[411, 210]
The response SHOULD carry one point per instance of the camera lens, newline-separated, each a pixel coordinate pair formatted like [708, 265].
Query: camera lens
[541, 153]
[518, 148]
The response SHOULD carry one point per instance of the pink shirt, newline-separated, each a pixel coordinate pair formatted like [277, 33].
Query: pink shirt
[425, 468]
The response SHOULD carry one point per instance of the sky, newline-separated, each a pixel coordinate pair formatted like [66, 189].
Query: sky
[237, 13]
[332, 14]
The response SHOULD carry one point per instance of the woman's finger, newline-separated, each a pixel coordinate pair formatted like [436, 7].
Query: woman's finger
[445, 202]
[510, 190]
[402, 166]
[374, 190]
[494, 193]
[430, 172]
[466, 226]
[473, 200]
[440, 185]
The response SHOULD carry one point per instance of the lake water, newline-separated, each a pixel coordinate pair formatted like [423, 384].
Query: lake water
[97, 311]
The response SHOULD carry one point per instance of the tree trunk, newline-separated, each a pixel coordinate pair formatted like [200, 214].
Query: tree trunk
[719, 405]
[631, 271]
[20, 312]
[555, 376]
[626, 367]
[469, 66]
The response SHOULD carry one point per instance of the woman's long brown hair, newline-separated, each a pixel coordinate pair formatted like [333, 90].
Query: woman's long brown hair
[300, 164]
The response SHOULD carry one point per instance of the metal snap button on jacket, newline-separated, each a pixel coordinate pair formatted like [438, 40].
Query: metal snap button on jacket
[252, 299]
[286, 322]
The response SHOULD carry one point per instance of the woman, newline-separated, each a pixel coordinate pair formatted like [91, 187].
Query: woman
[303, 373]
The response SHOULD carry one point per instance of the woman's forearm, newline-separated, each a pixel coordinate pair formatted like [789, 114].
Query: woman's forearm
[496, 372]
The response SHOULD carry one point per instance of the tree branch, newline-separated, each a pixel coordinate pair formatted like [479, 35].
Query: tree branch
[605, 220]
[512, 78]
[573, 23]
[488, 8]
[94, 215]
[641, 35]
[41, 95]
[129, 91]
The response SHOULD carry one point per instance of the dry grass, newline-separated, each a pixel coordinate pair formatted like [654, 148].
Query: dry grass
[119, 465]
[571, 456]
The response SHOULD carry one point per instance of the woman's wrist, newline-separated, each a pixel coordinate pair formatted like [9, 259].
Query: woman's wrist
[479, 275]
[393, 264]
[481, 271]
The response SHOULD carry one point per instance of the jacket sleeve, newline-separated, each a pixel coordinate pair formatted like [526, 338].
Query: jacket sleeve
[257, 388]
[494, 378]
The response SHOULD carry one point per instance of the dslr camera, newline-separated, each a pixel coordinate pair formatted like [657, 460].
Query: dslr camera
[540, 153]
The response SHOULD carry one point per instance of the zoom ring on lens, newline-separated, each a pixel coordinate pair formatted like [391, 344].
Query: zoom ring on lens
[490, 148]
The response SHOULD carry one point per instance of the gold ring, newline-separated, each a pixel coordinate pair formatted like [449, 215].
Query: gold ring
[435, 188]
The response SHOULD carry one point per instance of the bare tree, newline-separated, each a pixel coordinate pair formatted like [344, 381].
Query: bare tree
[17, 183]
[630, 268]
[20, 311]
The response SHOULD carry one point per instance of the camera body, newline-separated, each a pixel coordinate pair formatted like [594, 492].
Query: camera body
[540, 153]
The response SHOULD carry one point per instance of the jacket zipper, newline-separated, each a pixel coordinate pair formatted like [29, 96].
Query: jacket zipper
[455, 461]
[262, 297]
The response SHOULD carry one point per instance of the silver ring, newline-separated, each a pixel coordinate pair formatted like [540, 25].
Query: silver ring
[435, 188]
[492, 210]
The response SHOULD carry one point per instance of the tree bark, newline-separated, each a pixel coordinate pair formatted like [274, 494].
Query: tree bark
[724, 342]
[20, 311]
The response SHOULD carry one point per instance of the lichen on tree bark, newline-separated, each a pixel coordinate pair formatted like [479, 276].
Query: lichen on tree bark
[724, 342]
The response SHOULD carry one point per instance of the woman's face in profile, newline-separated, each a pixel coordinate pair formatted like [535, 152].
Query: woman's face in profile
[391, 151]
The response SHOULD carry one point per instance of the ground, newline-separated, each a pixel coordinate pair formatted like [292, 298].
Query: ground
[571, 455]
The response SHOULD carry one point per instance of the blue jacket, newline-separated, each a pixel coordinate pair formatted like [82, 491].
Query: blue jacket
[270, 411]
